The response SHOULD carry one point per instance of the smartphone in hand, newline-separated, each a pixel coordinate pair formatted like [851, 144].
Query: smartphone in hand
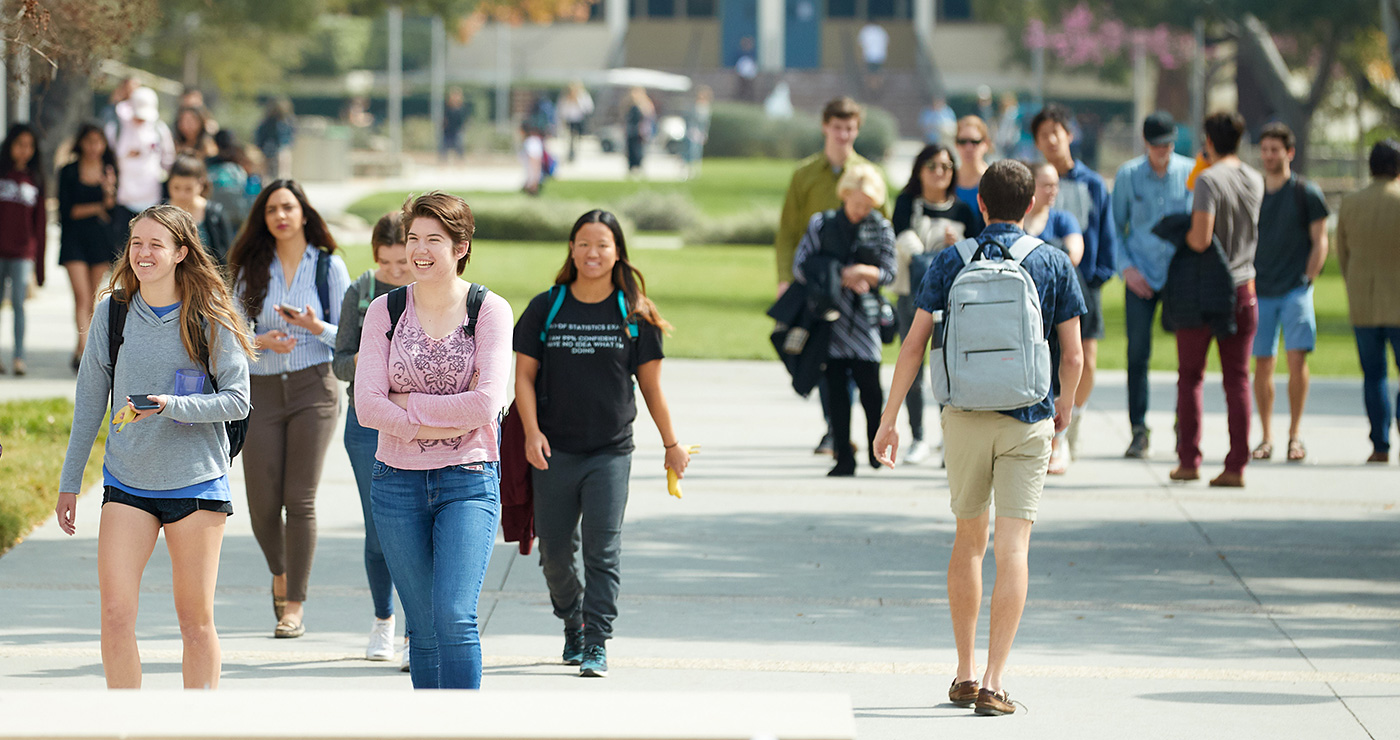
[143, 402]
[288, 308]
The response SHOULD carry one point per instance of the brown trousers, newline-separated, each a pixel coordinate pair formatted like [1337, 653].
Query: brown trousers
[293, 421]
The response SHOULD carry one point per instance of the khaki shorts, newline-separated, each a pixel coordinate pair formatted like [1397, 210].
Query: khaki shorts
[989, 451]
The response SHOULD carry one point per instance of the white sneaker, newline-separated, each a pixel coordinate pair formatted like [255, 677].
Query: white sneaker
[1075, 418]
[381, 640]
[918, 452]
[404, 666]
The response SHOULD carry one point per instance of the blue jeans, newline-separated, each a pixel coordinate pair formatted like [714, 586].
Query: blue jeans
[437, 528]
[360, 444]
[1139, 313]
[1370, 345]
[15, 272]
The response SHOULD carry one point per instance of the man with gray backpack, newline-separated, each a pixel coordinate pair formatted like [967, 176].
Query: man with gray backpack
[989, 305]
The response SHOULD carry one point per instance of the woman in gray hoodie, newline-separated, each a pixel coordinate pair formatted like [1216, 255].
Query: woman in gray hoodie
[166, 473]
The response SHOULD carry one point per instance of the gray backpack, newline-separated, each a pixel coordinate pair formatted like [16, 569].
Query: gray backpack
[994, 356]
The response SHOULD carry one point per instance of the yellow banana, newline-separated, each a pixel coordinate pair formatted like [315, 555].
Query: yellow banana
[673, 481]
[125, 416]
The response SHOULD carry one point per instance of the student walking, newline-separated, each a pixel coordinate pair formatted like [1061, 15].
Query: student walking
[1144, 190]
[577, 411]
[1058, 229]
[23, 221]
[432, 378]
[87, 193]
[166, 466]
[974, 142]
[928, 216]
[1224, 208]
[811, 191]
[145, 149]
[289, 282]
[1085, 195]
[996, 455]
[1292, 250]
[854, 244]
[1367, 223]
[189, 181]
[391, 271]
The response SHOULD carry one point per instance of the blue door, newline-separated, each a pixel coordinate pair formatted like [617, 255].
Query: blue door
[738, 21]
[804, 34]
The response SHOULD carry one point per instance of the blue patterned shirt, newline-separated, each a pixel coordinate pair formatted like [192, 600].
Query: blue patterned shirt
[311, 349]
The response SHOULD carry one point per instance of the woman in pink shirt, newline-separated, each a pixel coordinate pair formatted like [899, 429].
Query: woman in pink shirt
[433, 382]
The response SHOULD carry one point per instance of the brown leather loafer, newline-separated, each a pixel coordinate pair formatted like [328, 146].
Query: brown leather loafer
[963, 694]
[1228, 479]
[993, 704]
[1376, 457]
[1185, 474]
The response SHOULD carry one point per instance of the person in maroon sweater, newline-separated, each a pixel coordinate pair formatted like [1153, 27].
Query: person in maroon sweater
[22, 220]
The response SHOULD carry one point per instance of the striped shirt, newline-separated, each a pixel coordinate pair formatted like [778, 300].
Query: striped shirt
[852, 336]
[311, 349]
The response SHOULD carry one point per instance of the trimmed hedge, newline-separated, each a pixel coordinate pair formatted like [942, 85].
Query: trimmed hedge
[759, 226]
[659, 211]
[532, 220]
[745, 130]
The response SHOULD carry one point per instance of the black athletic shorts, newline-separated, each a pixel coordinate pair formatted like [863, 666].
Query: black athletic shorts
[167, 510]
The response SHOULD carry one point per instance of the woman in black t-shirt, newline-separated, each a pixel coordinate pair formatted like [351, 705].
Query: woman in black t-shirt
[578, 346]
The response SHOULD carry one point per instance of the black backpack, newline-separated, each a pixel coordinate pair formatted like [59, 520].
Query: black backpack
[398, 301]
[236, 429]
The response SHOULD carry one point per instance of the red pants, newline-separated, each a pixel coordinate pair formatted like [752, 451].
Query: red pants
[1192, 346]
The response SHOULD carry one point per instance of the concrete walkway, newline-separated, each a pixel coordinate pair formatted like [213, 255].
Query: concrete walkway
[1156, 610]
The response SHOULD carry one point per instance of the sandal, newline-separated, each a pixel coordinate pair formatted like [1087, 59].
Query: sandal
[1264, 451]
[1296, 450]
[289, 628]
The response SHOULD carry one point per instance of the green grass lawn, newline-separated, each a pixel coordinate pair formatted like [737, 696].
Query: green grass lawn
[35, 436]
[725, 186]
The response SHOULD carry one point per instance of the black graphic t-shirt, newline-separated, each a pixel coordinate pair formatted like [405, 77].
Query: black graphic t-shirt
[584, 386]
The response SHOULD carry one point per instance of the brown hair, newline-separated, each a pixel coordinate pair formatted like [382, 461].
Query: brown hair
[979, 124]
[388, 231]
[1006, 190]
[1224, 129]
[250, 259]
[449, 210]
[1281, 131]
[205, 298]
[625, 277]
[843, 108]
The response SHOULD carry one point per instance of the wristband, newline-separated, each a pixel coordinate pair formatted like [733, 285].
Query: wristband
[673, 444]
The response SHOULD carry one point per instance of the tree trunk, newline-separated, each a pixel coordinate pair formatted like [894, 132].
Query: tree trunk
[1261, 64]
[65, 102]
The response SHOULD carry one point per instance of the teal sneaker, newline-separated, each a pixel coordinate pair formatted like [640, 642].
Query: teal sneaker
[573, 646]
[595, 662]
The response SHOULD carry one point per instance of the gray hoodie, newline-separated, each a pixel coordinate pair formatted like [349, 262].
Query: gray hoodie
[155, 453]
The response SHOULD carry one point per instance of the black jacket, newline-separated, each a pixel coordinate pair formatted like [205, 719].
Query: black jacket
[1200, 290]
[800, 338]
[220, 232]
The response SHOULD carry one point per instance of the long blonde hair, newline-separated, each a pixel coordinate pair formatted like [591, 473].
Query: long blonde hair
[203, 292]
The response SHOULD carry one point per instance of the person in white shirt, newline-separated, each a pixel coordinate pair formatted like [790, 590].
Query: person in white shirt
[145, 151]
[874, 46]
[575, 107]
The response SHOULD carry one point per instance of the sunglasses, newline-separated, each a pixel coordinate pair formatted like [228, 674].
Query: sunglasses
[938, 167]
[969, 142]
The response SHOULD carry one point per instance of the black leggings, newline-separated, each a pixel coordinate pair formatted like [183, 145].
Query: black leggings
[866, 374]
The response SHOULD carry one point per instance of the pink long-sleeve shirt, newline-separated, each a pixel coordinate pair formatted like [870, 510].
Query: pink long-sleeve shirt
[457, 382]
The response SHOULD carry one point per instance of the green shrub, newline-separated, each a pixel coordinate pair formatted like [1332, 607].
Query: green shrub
[532, 220]
[659, 211]
[759, 226]
[744, 130]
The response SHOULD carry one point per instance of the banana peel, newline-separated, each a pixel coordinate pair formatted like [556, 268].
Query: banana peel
[124, 417]
[673, 481]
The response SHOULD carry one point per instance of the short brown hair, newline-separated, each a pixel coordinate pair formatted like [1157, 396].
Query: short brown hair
[388, 231]
[843, 108]
[449, 210]
[1006, 190]
[1281, 131]
[1224, 129]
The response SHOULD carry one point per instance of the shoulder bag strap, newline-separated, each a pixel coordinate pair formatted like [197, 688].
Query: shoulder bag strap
[1023, 247]
[476, 296]
[323, 282]
[116, 329]
[397, 301]
[558, 293]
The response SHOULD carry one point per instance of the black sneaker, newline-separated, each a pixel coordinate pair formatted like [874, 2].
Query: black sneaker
[573, 646]
[1142, 442]
[594, 663]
